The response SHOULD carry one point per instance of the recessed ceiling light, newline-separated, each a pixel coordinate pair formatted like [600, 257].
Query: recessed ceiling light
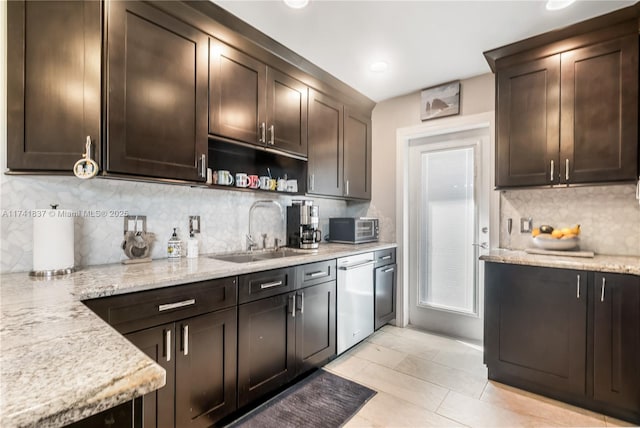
[379, 66]
[296, 4]
[558, 4]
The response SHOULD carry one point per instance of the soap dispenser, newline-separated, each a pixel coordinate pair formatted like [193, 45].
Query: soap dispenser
[192, 246]
[174, 246]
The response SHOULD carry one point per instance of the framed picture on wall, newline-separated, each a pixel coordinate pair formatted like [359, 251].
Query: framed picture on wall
[440, 101]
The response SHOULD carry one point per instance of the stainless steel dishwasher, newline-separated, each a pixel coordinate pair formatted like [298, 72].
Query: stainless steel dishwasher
[355, 299]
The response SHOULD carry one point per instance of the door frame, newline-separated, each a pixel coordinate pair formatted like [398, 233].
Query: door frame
[403, 138]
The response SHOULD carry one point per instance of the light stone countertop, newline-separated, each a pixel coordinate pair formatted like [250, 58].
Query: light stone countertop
[599, 263]
[59, 362]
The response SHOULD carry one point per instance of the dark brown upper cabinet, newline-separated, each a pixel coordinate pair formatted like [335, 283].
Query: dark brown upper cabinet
[326, 145]
[157, 94]
[339, 149]
[53, 105]
[357, 155]
[253, 103]
[567, 105]
[528, 127]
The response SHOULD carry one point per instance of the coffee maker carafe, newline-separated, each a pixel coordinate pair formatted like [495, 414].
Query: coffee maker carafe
[302, 225]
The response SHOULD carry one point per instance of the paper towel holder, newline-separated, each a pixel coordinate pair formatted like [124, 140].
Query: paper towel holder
[53, 272]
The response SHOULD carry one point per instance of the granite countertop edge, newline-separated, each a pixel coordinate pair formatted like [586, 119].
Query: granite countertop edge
[629, 265]
[44, 326]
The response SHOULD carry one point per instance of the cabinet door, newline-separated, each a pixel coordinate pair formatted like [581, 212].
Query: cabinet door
[266, 346]
[326, 144]
[600, 112]
[357, 155]
[286, 113]
[528, 128]
[159, 344]
[206, 368]
[315, 325]
[385, 295]
[53, 83]
[616, 340]
[157, 97]
[237, 108]
[536, 327]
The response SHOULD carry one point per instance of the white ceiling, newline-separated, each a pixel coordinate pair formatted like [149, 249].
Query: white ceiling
[424, 42]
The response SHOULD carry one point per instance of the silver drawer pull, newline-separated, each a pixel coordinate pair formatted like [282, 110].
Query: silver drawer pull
[185, 339]
[270, 284]
[317, 274]
[358, 265]
[167, 344]
[578, 287]
[566, 170]
[388, 270]
[387, 257]
[175, 305]
[551, 173]
[604, 283]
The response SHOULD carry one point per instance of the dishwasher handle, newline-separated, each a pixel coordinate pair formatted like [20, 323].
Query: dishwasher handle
[358, 265]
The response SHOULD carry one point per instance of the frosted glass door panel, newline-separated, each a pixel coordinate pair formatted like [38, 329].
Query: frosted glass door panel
[448, 229]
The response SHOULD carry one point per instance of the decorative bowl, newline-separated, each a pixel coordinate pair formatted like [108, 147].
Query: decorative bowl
[550, 243]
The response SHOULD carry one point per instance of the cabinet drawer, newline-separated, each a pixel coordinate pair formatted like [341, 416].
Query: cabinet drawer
[258, 285]
[315, 273]
[385, 257]
[135, 311]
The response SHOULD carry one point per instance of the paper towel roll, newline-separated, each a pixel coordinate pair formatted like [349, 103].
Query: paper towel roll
[53, 241]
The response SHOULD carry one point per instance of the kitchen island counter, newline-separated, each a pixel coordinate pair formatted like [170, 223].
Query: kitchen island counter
[600, 263]
[59, 362]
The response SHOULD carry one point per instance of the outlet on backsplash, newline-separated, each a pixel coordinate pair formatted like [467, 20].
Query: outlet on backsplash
[526, 225]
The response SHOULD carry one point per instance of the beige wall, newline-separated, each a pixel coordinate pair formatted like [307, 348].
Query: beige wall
[477, 96]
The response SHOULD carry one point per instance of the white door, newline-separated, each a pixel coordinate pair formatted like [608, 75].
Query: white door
[448, 231]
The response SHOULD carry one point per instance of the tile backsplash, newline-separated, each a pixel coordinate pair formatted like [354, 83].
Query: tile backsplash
[224, 216]
[609, 216]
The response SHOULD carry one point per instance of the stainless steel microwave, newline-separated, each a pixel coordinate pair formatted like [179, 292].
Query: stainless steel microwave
[352, 230]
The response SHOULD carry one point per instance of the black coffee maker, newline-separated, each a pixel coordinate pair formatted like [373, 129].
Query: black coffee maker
[302, 225]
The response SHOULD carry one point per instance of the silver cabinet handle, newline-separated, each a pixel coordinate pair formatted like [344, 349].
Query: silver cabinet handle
[175, 305]
[604, 284]
[358, 265]
[566, 172]
[312, 181]
[272, 135]
[263, 133]
[203, 166]
[185, 339]
[388, 270]
[301, 295]
[317, 274]
[346, 186]
[387, 257]
[551, 174]
[578, 288]
[167, 344]
[292, 302]
[270, 284]
[484, 245]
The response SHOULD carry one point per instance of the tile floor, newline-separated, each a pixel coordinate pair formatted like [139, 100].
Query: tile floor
[427, 380]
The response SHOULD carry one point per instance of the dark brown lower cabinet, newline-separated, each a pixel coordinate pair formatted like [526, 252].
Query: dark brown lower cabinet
[572, 335]
[156, 342]
[616, 341]
[282, 336]
[199, 356]
[385, 295]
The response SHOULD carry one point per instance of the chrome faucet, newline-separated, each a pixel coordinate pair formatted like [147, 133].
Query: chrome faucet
[251, 243]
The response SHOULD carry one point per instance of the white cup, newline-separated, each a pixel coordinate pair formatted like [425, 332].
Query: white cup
[265, 183]
[225, 178]
[282, 185]
[242, 180]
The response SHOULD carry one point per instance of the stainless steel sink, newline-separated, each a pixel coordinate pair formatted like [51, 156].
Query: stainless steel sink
[256, 256]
